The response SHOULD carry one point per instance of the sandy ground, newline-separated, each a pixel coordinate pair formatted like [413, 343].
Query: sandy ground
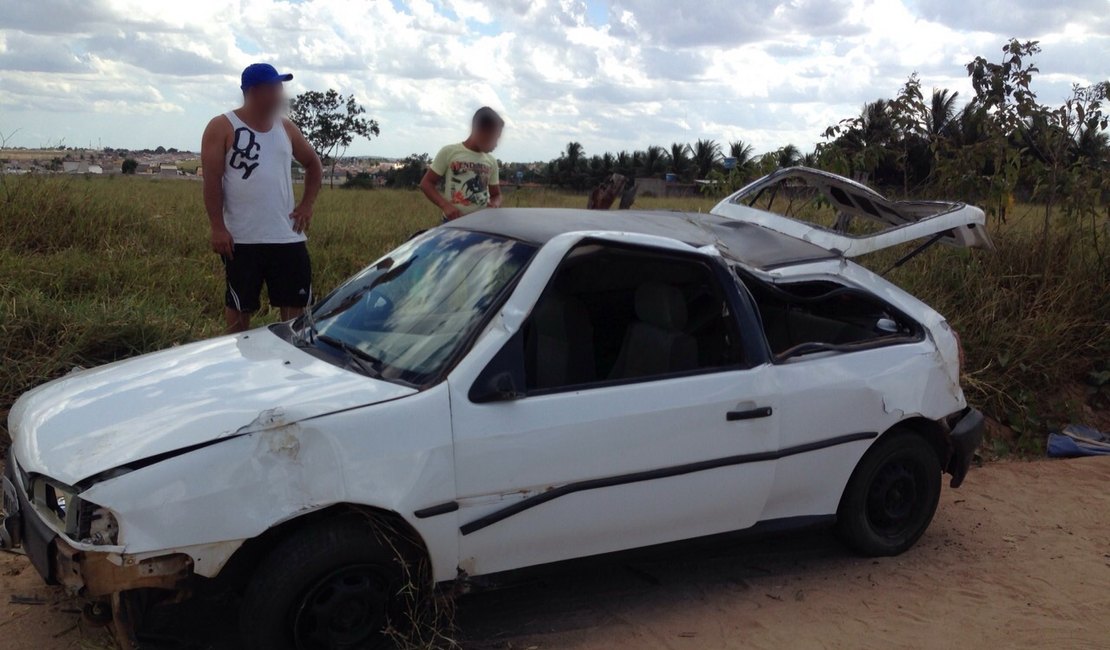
[1017, 557]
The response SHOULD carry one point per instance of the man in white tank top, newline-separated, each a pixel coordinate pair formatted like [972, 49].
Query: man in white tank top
[257, 228]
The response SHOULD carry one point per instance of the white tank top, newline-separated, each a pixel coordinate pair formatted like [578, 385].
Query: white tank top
[258, 185]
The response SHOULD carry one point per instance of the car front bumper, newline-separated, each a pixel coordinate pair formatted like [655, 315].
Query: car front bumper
[965, 435]
[84, 569]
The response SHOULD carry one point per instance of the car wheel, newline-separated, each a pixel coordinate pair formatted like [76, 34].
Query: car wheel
[891, 496]
[328, 587]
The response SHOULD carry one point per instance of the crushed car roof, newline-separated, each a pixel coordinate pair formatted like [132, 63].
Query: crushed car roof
[744, 242]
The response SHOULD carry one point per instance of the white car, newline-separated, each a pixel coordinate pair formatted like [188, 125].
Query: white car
[514, 388]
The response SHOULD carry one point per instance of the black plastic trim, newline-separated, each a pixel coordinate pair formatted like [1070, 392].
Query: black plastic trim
[432, 511]
[652, 474]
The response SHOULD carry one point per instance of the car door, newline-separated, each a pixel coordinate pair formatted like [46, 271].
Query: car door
[630, 407]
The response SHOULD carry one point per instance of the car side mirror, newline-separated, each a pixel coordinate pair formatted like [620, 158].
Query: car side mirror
[502, 380]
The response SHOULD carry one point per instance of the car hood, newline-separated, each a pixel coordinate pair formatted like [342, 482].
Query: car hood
[94, 420]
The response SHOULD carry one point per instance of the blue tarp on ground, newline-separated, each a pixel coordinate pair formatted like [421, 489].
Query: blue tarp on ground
[1078, 440]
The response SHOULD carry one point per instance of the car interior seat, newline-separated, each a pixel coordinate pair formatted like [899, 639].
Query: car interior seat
[656, 342]
[559, 346]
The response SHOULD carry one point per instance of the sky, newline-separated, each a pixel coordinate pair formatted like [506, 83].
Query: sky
[611, 74]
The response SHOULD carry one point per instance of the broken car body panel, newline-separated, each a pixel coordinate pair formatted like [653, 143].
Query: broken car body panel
[954, 223]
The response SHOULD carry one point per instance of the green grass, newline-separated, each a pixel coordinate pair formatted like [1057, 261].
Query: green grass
[93, 270]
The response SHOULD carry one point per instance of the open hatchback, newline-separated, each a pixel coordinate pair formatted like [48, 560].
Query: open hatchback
[849, 218]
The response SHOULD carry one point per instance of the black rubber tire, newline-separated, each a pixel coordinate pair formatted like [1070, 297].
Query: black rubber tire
[307, 573]
[892, 496]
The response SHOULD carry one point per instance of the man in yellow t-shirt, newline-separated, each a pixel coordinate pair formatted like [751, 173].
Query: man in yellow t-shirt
[467, 171]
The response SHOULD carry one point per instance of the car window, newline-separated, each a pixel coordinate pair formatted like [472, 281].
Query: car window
[407, 315]
[616, 314]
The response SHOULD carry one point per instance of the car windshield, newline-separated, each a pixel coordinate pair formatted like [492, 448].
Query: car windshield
[406, 316]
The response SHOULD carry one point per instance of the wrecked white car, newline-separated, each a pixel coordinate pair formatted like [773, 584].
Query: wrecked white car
[515, 388]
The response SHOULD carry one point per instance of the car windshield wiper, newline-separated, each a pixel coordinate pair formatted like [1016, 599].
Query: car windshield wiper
[366, 362]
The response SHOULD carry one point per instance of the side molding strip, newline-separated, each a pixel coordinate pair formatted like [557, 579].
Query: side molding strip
[432, 511]
[652, 474]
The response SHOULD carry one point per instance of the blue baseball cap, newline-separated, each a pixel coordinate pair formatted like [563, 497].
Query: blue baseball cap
[262, 73]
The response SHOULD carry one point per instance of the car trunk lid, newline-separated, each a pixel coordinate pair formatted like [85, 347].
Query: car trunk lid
[828, 210]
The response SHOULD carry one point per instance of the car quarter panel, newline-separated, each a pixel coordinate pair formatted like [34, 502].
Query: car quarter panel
[943, 339]
[866, 390]
[394, 456]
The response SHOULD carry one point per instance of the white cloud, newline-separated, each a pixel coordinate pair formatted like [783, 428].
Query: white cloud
[615, 74]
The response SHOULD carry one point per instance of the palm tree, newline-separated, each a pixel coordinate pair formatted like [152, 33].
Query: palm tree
[654, 161]
[1092, 146]
[679, 159]
[969, 126]
[574, 155]
[742, 152]
[788, 156]
[706, 153]
[624, 163]
[941, 110]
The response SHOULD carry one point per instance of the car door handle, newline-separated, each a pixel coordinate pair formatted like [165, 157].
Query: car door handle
[750, 414]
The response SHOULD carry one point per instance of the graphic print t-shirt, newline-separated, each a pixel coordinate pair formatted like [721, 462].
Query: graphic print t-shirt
[467, 176]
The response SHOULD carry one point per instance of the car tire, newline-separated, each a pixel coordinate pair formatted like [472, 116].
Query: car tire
[891, 497]
[331, 586]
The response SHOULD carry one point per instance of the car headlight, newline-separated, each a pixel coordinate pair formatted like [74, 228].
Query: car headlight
[80, 520]
[56, 501]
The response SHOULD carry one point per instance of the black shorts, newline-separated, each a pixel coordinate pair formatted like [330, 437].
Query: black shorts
[284, 268]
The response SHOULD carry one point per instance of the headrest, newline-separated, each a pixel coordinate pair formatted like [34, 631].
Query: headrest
[661, 305]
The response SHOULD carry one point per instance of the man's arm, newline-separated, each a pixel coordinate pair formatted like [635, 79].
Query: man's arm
[213, 148]
[313, 176]
[429, 185]
[495, 196]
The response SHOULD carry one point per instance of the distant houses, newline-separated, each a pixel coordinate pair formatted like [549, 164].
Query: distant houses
[81, 167]
[168, 170]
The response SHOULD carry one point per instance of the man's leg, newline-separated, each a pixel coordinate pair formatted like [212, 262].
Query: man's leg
[237, 321]
[289, 313]
[288, 278]
[244, 286]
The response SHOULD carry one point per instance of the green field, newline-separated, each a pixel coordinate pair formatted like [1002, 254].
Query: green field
[93, 270]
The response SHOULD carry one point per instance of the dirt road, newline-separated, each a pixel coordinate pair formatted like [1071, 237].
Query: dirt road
[1018, 557]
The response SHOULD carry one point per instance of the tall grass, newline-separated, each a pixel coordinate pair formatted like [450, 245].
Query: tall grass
[93, 270]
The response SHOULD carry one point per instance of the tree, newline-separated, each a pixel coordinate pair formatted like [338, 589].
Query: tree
[942, 109]
[742, 152]
[680, 159]
[788, 156]
[409, 171]
[653, 161]
[331, 123]
[574, 154]
[571, 166]
[129, 166]
[707, 154]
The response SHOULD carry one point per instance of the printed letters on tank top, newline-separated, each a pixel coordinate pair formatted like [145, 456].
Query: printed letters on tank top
[245, 150]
